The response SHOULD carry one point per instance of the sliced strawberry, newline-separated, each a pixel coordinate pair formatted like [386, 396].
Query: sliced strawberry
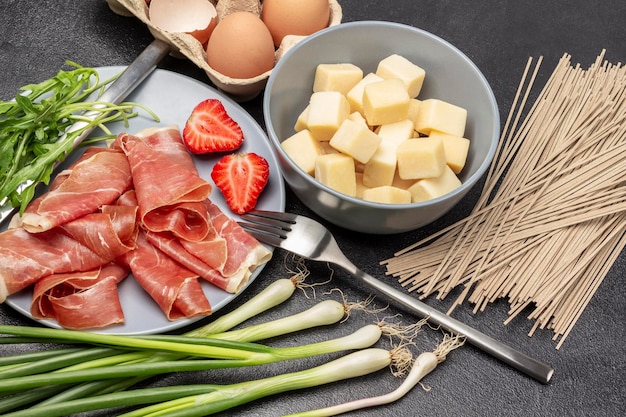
[209, 128]
[241, 177]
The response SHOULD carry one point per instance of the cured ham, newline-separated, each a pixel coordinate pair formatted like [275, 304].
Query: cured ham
[137, 207]
[99, 177]
[81, 300]
[168, 193]
[81, 245]
[173, 287]
[226, 261]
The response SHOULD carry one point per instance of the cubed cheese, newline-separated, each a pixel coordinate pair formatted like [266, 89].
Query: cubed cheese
[336, 171]
[456, 149]
[381, 167]
[301, 120]
[358, 117]
[336, 77]
[414, 107]
[355, 95]
[400, 183]
[326, 148]
[327, 109]
[435, 114]
[304, 149]
[397, 66]
[387, 194]
[429, 188]
[421, 158]
[396, 132]
[356, 140]
[386, 101]
[359, 185]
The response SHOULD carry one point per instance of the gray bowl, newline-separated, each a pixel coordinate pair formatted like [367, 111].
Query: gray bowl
[450, 76]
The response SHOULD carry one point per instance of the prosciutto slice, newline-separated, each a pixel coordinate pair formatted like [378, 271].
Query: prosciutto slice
[226, 261]
[173, 287]
[97, 178]
[81, 300]
[169, 194]
[84, 244]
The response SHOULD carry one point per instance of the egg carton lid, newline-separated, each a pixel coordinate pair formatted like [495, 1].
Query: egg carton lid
[187, 46]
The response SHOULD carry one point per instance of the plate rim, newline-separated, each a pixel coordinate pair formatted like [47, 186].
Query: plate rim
[278, 182]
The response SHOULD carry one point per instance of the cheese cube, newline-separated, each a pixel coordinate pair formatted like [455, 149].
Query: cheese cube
[359, 185]
[336, 77]
[456, 149]
[381, 167]
[385, 102]
[400, 183]
[397, 66]
[421, 158]
[355, 95]
[303, 148]
[336, 171]
[396, 132]
[429, 188]
[387, 194]
[358, 117]
[326, 148]
[356, 140]
[327, 109]
[414, 107]
[301, 120]
[435, 114]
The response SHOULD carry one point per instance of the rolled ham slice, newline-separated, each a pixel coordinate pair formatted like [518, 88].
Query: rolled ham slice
[169, 194]
[173, 287]
[97, 178]
[227, 261]
[81, 300]
[84, 244]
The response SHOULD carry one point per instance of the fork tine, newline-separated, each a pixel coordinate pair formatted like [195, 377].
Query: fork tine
[268, 227]
[270, 238]
[262, 215]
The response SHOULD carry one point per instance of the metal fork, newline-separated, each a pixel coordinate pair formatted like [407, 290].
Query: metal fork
[307, 238]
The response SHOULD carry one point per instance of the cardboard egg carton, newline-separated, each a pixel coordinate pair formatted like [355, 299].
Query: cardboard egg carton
[186, 46]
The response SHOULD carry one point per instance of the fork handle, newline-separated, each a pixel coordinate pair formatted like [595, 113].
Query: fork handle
[518, 360]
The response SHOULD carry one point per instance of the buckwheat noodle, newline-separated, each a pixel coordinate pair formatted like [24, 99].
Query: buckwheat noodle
[551, 218]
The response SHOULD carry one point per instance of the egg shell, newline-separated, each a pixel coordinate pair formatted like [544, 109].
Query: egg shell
[185, 45]
[294, 17]
[241, 46]
[195, 17]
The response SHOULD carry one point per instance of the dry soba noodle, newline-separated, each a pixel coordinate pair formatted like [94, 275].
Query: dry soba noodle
[544, 235]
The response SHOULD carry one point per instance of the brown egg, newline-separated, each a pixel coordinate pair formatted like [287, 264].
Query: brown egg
[196, 17]
[294, 17]
[241, 46]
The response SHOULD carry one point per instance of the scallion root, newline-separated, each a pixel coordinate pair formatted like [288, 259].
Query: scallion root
[424, 364]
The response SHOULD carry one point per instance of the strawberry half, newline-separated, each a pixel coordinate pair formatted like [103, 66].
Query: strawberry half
[209, 128]
[241, 177]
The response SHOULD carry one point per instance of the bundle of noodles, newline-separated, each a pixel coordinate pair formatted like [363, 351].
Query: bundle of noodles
[551, 219]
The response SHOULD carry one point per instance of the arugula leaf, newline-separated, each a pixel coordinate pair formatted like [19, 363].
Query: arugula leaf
[34, 128]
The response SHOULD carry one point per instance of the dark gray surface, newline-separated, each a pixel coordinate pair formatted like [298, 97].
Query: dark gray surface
[36, 37]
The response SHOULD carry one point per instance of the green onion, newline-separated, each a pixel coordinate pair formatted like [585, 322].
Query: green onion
[275, 293]
[223, 354]
[200, 400]
[424, 364]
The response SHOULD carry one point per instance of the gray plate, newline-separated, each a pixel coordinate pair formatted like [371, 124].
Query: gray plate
[172, 97]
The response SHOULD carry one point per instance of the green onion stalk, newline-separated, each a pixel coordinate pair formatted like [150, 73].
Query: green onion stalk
[76, 377]
[206, 399]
